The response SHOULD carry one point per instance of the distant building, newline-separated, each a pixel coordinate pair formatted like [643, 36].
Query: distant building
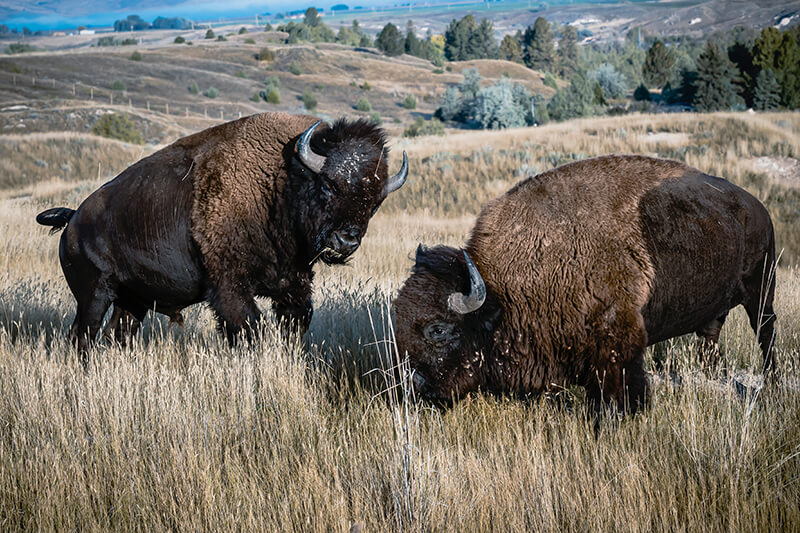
[86, 32]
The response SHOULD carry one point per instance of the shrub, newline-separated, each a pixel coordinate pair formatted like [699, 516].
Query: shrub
[179, 40]
[256, 97]
[503, 105]
[363, 105]
[273, 96]
[106, 41]
[210, 34]
[550, 81]
[641, 94]
[375, 117]
[249, 40]
[610, 79]
[240, 74]
[409, 102]
[423, 127]
[366, 86]
[221, 38]
[272, 81]
[136, 56]
[295, 69]
[193, 88]
[265, 54]
[242, 30]
[118, 85]
[20, 48]
[308, 98]
[117, 126]
[211, 92]
[129, 42]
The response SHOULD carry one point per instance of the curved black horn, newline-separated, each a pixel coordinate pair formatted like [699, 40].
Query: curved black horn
[467, 303]
[307, 156]
[397, 181]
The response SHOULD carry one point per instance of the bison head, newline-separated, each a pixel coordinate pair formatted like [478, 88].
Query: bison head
[444, 323]
[347, 182]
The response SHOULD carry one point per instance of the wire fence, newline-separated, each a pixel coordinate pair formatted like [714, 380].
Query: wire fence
[78, 90]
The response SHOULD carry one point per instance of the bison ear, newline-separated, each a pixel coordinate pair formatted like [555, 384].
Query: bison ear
[422, 251]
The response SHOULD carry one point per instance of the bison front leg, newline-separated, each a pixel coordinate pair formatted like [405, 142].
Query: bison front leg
[618, 376]
[293, 309]
[236, 310]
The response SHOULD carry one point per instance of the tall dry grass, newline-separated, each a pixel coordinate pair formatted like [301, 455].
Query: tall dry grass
[179, 431]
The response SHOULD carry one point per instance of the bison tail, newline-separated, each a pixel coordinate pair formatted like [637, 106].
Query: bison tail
[57, 217]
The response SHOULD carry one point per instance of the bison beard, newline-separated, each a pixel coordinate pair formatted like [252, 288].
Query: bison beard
[240, 210]
[583, 267]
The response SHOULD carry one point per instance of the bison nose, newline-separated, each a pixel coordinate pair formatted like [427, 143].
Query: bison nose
[345, 241]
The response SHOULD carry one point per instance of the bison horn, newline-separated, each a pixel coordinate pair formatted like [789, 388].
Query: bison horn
[307, 156]
[397, 181]
[467, 303]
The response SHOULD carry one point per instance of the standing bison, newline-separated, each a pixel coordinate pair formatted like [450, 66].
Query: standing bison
[576, 271]
[239, 210]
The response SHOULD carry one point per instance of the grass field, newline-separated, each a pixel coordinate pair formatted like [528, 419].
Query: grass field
[179, 431]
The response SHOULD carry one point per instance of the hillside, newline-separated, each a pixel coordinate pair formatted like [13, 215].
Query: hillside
[66, 90]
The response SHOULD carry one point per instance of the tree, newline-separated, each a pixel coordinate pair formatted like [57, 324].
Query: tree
[714, 85]
[767, 91]
[450, 108]
[210, 34]
[456, 38]
[781, 53]
[539, 51]
[741, 54]
[611, 81]
[658, 65]
[389, 41]
[496, 107]
[413, 46]
[510, 50]
[312, 18]
[577, 100]
[481, 43]
[568, 51]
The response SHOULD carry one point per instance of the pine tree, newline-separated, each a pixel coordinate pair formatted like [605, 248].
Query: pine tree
[312, 18]
[481, 43]
[389, 41]
[510, 50]
[413, 45]
[539, 51]
[714, 85]
[456, 38]
[658, 64]
[767, 91]
[568, 51]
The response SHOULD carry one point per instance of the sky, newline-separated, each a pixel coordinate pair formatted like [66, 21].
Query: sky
[190, 10]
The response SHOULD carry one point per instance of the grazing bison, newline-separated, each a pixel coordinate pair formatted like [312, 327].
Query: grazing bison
[239, 210]
[576, 271]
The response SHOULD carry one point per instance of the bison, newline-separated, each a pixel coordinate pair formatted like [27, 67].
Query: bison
[572, 273]
[239, 210]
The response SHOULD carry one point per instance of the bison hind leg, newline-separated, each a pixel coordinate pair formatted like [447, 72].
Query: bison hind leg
[124, 323]
[709, 349]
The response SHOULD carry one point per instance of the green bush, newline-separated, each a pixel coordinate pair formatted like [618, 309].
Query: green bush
[249, 40]
[366, 86]
[210, 34]
[117, 126]
[272, 81]
[118, 85]
[375, 117]
[129, 42]
[106, 41]
[265, 54]
[363, 105]
[274, 96]
[221, 38]
[309, 100]
[641, 94]
[136, 56]
[255, 98]
[409, 102]
[295, 69]
[240, 74]
[550, 81]
[423, 127]
[193, 88]
[179, 40]
[211, 92]
[20, 48]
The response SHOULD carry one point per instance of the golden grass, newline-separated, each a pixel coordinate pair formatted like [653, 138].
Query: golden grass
[179, 431]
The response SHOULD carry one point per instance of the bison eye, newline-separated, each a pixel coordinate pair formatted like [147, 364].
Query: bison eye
[438, 332]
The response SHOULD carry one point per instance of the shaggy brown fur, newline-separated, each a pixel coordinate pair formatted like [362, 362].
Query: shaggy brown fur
[586, 265]
[223, 215]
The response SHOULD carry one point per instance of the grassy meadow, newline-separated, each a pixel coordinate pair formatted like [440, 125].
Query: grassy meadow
[179, 431]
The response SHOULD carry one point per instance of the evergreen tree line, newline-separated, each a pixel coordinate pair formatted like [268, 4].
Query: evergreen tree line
[137, 23]
[315, 30]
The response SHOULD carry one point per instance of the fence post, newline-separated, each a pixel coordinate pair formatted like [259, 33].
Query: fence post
[34, 82]
[166, 107]
[148, 105]
[111, 98]
[54, 83]
[91, 93]
[73, 89]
